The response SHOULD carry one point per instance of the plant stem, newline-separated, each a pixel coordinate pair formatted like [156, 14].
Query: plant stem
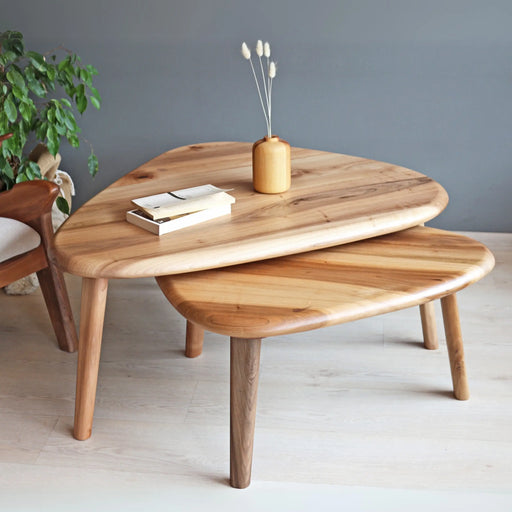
[259, 94]
[264, 81]
[270, 107]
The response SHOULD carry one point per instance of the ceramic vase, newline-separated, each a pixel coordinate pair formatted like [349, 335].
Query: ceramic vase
[271, 165]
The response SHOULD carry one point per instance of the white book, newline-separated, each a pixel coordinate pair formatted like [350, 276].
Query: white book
[167, 225]
[187, 200]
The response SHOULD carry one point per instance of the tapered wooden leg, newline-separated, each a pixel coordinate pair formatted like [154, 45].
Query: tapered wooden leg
[245, 363]
[54, 289]
[94, 296]
[455, 346]
[194, 340]
[428, 324]
[56, 298]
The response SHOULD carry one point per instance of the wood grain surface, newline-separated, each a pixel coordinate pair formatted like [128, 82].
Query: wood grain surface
[428, 325]
[89, 352]
[340, 284]
[455, 346]
[333, 199]
[244, 376]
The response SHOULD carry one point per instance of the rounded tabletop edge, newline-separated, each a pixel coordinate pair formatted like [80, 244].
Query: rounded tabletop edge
[461, 260]
[234, 254]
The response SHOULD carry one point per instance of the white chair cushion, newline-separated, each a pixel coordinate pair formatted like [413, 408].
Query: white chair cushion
[16, 238]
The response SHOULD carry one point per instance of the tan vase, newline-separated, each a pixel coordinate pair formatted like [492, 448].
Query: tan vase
[271, 165]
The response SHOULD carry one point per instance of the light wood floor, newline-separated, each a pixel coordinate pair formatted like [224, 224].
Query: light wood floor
[352, 417]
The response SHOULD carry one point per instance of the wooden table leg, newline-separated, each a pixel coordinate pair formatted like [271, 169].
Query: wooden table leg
[245, 365]
[455, 346]
[92, 315]
[194, 340]
[428, 324]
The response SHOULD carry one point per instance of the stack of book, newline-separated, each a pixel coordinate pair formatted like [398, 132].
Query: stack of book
[170, 211]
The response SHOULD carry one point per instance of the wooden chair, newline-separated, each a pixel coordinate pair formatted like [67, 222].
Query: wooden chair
[26, 246]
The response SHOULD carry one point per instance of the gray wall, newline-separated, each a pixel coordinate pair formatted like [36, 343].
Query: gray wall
[424, 84]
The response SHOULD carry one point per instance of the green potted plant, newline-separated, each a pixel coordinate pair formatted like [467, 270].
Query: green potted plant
[39, 97]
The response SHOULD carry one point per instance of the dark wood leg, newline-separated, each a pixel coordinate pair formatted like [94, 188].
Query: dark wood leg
[56, 298]
[92, 315]
[245, 364]
[194, 340]
[428, 324]
[54, 289]
[455, 346]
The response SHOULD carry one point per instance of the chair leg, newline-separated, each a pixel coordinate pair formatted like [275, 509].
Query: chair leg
[455, 346]
[194, 340]
[56, 298]
[245, 363]
[428, 324]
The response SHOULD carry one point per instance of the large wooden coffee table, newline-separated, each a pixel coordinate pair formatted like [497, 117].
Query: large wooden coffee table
[334, 199]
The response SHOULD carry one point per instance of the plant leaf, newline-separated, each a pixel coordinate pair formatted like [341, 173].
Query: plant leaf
[92, 70]
[73, 140]
[28, 170]
[62, 205]
[7, 170]
[95, 93]
[58, 111]
[96, 104]
[63, 64]
[26, 111]
[92, 163]
[53, 140]
[51, 72]
[41, 129]
[12, 41]
[10, 109]
[37, 61]
[17, 92]
[61, 129]
[50, 115]
[3, 122]
[32, 170]
[35, 86]
[81, 103]
[69, 120]
[15, 78]
[7, 58]
[81, 99]
[85, 76]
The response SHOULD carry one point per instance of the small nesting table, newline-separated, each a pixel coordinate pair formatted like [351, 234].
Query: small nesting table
[315, 289]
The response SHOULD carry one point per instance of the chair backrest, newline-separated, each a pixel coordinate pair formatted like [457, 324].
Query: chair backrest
[29, 201]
